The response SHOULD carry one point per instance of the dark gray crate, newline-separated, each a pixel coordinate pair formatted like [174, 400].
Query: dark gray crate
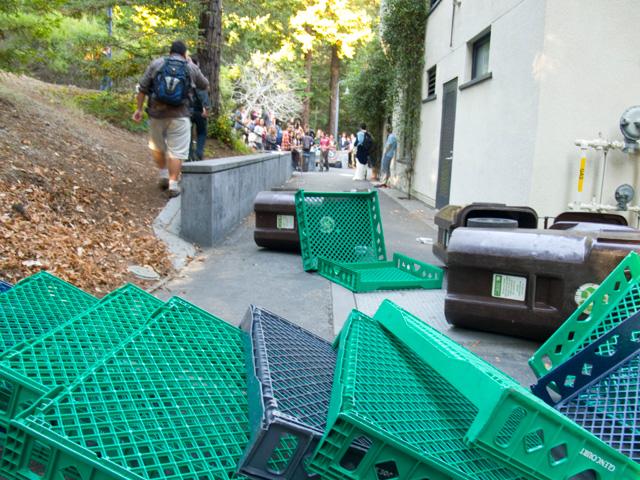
[289, 375]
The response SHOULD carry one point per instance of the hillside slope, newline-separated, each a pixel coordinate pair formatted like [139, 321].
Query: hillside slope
[77, 197]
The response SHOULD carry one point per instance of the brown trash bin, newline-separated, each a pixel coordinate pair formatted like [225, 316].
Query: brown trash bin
[453, 216]
[276, 221]
[526, 283]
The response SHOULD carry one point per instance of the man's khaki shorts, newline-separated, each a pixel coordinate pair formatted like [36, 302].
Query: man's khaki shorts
[170, 134]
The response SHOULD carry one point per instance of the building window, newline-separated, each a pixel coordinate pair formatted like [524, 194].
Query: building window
[431, 82]
[480, 65]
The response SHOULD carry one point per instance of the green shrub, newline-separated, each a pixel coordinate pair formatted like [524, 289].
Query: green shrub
[114, 108]
[221, 129]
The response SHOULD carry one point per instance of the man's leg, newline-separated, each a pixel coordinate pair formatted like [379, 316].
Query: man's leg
[201, 136]
[384, 170]
[177, 139]
[158, 146]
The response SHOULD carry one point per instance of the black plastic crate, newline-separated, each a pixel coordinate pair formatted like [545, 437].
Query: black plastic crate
[290, 376]
[598, 388]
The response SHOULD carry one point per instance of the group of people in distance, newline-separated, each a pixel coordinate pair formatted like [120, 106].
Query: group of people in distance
[178, 100]
[264, 131]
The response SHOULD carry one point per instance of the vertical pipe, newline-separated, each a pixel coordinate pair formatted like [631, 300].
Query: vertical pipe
[604, 171]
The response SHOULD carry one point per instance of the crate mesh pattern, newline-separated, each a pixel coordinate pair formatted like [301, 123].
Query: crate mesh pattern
[344, 227]
[407, 404]
[609, 409]
[598, 388]
[169, 403]
[37, 305]
[60, 356]
[301, 367]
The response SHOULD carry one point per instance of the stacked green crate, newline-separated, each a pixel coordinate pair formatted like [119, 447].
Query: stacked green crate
[415, 421]
[169, 403]
[400, 273]
[37, 305]
[615, 300]
[512, 426]
[57, 358]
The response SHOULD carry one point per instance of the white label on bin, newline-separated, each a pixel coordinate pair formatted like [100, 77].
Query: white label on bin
[508, 286]
[286, 222]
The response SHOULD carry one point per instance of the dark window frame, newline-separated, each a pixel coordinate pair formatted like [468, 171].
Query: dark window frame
[431, 82]
[476, 47]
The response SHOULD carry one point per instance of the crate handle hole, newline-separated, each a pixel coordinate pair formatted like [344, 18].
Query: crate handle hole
[585, 475]
[38, 462]
[534, 440]
[355, 453]
[609, 348]
[552, 390]
[506, 433]
[627, 274]
[558, 454]
[6, 392]
[282, 454]
[70, 473]
[546, 361]
[387, 470]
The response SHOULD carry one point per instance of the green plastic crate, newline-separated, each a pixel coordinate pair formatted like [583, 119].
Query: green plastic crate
[36, 305]
[615, 300]
[386, 396]
[342, 226]
[169, 403]
[33, 368]
[511, 426]
[400, 273]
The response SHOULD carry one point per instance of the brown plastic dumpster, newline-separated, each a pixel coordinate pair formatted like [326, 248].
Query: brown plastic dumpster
[276, 221]
[453, 216]
[526, 283]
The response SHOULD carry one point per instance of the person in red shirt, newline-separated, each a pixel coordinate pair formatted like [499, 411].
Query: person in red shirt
[285, 145]
[325, 144]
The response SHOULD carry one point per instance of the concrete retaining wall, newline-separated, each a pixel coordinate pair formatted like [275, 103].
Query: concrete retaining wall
[217, 194]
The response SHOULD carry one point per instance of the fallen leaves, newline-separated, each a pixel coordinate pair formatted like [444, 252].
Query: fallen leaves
[77, 199]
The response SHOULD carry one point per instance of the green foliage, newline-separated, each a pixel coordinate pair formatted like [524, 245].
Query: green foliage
[114, 108]
[404, 25]
[221, 129]
[371, 88]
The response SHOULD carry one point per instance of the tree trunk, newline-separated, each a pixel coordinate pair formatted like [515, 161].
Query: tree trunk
[209, 42]
[333, 88]
[307, 91]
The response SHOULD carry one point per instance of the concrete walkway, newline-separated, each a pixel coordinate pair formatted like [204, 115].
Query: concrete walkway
[229, 277]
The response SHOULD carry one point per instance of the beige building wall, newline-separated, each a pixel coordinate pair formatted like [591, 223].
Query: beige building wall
[561, 70]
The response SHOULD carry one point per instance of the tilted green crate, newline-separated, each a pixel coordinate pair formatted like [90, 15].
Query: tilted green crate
[615, 300]
[169, 403]
[511, 426]
[400, 273]
[36, 305]
[31, 369]
[386, 396]
[341, 226]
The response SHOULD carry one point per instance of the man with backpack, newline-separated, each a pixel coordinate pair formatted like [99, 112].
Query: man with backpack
[167, 82]
[363, 145]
